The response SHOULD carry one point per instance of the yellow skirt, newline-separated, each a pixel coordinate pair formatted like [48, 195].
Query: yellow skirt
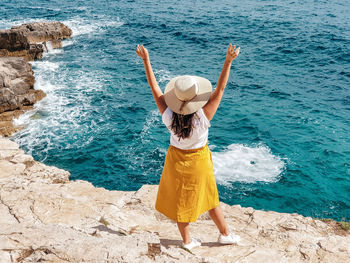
[187, 186]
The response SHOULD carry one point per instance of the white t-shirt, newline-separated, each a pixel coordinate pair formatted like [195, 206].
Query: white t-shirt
[199, 134]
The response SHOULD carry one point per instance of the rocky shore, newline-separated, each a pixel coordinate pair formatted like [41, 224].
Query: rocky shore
[17, 46]
[45, 217]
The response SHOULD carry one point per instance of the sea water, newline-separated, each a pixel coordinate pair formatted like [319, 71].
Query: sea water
[281, 137]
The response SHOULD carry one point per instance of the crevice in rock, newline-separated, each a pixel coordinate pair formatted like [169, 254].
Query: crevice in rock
[323, 248]
[251, 217]
[320, 254]
[168, 255]
[10, 210]
[15, 240]
[34, 214]
[246, 255]
[49, 251]
[95, 233]
[304, 255]
[26, 252]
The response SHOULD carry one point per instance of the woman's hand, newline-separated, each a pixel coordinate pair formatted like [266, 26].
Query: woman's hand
[232, 53]
[142, 52]
[212, 105]
[158, 96]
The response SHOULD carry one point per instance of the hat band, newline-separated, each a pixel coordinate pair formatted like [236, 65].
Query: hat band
[184, 102]
[195, 95]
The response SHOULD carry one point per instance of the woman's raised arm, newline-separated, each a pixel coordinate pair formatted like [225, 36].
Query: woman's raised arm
[215, 98]
[158, 96]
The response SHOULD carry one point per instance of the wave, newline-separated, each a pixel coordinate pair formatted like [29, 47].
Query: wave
[163, 76]
[59, 118]
[151, 119]
[241, 163]
[81, 26]
[45, 65]
[66, 43]
[51, 50]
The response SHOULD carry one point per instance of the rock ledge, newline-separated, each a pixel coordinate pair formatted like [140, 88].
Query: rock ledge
[46, 217]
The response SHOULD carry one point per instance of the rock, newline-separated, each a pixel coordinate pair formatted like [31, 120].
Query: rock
[9, 115]
[44, 31]
[29, 40]
[16, 91]
[25, 42]
[15, 44]
[8, 168]
[16, 79]
[47, 217]
[34, 51]
[7, 128]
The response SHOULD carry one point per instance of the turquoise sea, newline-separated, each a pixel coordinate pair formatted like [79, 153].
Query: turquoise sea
[281, 137]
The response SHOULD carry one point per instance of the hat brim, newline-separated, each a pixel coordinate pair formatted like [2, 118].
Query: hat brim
[204, 92]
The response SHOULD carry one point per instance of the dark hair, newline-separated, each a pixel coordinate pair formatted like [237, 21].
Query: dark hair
[182, 125]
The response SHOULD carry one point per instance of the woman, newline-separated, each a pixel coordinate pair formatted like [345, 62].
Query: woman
[187, 187]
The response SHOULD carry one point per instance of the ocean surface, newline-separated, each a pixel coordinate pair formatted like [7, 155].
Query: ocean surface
[281, 137]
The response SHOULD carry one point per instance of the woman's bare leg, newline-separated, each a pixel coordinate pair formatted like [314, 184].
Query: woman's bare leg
[184, 229]
[218, 217]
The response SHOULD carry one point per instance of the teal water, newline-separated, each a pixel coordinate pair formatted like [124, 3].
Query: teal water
[280, 139]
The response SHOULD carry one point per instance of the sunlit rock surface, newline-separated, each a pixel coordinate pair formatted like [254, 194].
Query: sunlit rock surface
[45, 217]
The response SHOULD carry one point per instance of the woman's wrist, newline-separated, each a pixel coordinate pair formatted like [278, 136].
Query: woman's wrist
[228, 62]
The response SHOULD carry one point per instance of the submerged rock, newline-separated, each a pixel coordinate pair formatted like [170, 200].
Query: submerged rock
[45, 217]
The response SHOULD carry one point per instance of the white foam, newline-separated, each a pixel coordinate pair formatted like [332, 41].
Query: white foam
[49, 47]
[51, 50]
[247, 164]
[59, 118]
[80, 26]
[45, 65]
[163, 75]
[151, 119]
[24, 118]
[45, 8]
[66, 43]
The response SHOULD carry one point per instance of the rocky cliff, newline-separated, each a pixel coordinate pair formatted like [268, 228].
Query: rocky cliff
[45, 217]
[17, 91]
[30, 40]
[18, 45]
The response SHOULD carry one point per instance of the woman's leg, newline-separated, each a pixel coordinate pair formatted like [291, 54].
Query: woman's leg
[218, 217]
[184, 229]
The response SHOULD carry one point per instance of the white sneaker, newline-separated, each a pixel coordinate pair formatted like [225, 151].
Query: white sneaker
[230, 239]
[194, 243]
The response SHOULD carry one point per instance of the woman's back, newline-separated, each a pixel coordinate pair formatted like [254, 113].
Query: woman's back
[199, 134]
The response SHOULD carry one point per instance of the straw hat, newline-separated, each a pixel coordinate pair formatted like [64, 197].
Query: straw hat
[187, 94]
